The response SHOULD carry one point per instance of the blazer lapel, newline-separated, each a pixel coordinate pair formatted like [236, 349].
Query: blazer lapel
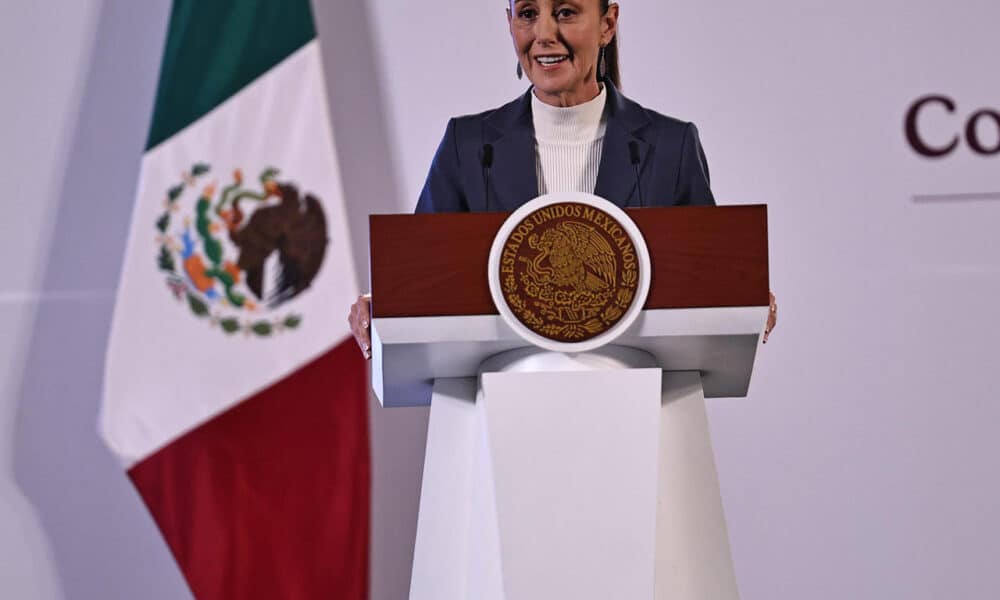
[616, 174]
[513, 180]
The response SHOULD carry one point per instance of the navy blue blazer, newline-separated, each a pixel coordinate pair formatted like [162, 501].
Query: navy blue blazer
[672, 166]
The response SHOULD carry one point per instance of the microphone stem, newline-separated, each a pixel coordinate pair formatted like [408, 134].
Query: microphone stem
[634, 158]
[638, 186]
[486, 160]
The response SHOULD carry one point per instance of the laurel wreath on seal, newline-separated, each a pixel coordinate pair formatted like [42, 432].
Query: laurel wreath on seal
[181, 286]
[608, 317]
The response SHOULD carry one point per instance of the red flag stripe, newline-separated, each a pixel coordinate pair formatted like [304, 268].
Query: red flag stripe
[271, 498]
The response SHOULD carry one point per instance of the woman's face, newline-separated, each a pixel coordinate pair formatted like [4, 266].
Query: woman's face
[557, 43]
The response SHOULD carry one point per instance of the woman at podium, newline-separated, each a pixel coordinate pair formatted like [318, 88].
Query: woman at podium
[573, 130]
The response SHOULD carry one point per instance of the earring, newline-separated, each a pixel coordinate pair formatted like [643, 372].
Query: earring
[602, 64]
[520, 71]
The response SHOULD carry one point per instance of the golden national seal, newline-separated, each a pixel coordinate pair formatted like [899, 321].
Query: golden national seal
[569, 271]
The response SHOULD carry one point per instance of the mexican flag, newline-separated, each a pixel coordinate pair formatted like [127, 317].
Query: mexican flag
[234, 395]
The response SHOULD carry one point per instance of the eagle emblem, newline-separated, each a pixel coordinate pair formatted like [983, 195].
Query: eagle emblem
[576, 257]
[568, 272]
[235, 255]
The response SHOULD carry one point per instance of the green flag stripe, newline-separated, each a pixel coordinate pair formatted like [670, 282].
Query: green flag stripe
[216, 48]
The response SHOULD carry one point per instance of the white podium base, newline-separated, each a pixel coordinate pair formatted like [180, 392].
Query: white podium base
[586, 477]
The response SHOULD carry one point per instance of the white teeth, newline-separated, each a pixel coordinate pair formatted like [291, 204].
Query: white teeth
[551, 60]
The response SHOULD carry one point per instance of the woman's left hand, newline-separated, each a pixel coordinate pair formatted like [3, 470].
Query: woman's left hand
[772, 318]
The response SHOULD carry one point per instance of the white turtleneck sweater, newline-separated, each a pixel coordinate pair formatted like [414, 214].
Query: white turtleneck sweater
[568, 143]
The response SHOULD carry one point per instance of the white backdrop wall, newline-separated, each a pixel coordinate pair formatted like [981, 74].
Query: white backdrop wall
[41, 119]
[78, 86]
[78, 82]
[861, 466]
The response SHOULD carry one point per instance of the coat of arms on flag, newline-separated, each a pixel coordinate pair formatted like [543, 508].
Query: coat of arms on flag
[234, 255]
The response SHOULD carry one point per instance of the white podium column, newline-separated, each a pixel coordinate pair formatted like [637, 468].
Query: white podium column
[693, 559]
[548, 480]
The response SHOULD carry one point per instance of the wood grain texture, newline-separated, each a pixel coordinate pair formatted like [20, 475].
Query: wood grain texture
[435, 265]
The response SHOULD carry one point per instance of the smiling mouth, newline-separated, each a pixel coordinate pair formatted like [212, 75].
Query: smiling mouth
[548, 61]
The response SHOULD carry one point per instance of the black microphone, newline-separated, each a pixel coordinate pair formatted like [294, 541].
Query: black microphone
[487, 162]
[633, 155]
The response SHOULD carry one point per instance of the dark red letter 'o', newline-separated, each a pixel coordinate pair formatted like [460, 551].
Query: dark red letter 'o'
[972, 133]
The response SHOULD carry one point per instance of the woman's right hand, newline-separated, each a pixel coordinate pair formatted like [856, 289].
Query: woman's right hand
[360, 321]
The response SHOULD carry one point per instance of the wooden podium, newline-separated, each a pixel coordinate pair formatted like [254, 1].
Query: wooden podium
[551, 475]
